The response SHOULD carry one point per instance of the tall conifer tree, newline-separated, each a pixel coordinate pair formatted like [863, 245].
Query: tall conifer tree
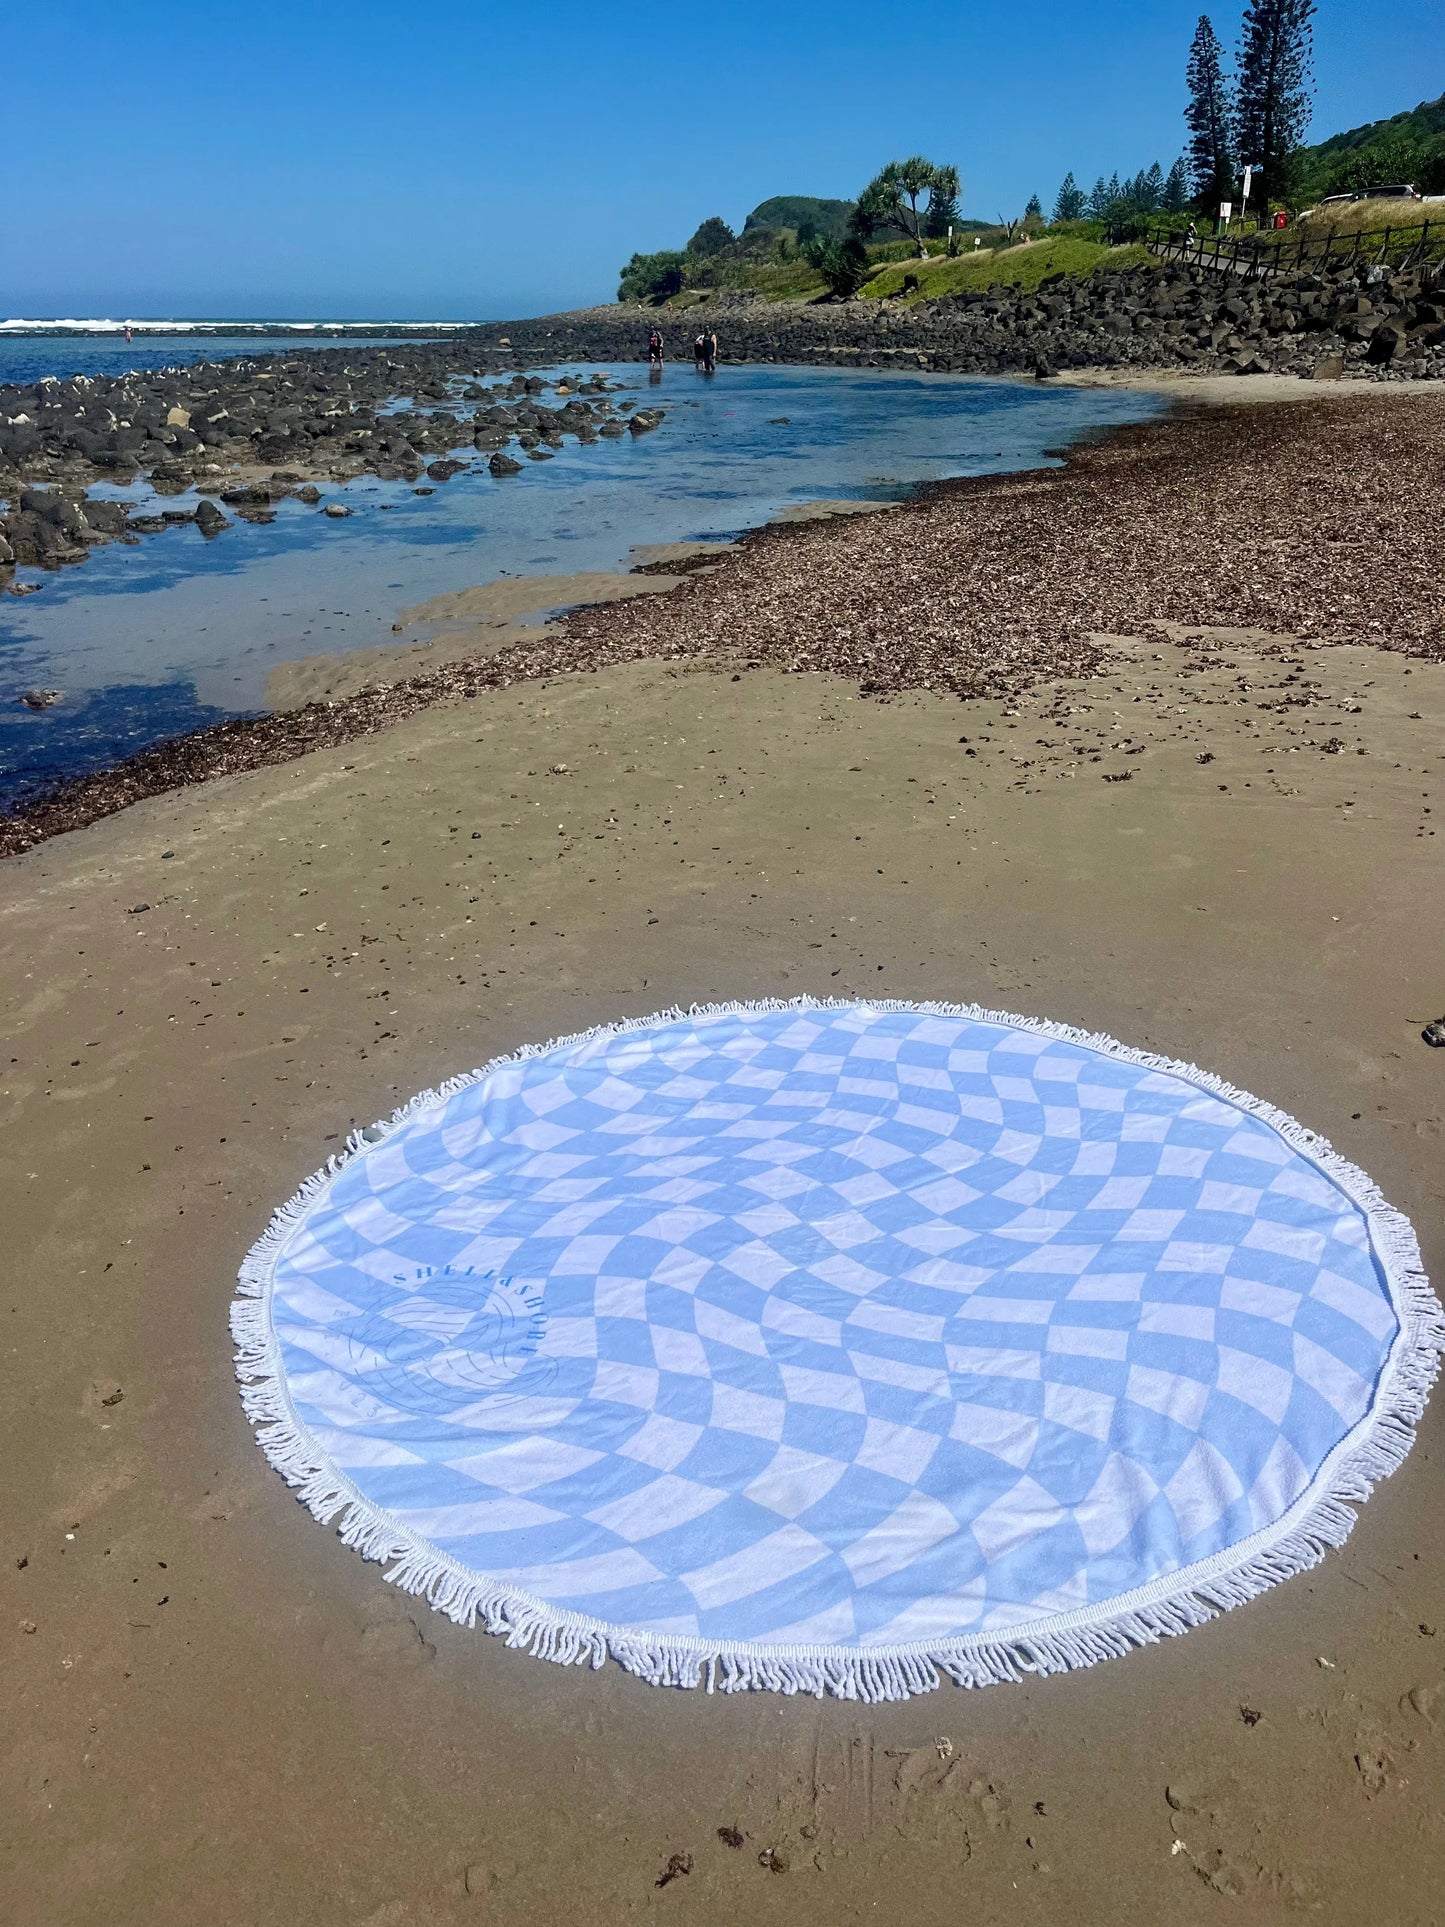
[1176, 188]
[1071, 201]
[1272, 102]
[1209, 118]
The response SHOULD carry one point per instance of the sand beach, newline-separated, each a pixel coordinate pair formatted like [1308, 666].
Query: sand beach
[1191, 801]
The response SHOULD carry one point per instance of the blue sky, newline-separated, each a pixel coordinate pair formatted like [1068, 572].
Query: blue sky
[451, 159]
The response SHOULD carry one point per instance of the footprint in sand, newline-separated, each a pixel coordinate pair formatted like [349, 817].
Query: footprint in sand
[1205, 1819]
[939, 1792]
[1426, 1702]
[394, 1637]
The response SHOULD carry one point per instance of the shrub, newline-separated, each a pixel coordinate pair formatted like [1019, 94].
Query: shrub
[844, 265]
[652, 277]
[1389, 163]
[713, 237]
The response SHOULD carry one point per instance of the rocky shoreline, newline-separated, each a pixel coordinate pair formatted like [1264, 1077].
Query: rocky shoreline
[215, 428]
[988, 586]
[247, 433]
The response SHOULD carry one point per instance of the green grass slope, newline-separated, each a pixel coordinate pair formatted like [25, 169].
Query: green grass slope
[1019, 267]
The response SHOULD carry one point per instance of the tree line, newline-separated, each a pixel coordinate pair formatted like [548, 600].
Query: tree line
[1251, 112]
[1254, 115]
[1151, 191]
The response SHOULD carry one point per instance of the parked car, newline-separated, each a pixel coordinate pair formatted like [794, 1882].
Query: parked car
[1398, 191]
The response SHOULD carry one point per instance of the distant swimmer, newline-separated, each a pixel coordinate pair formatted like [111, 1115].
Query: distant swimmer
[654, 347]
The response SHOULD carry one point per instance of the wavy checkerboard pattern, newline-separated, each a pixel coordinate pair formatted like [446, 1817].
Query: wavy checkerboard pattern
[838, 1327]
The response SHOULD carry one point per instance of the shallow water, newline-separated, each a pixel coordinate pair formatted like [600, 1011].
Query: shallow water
[178, 632]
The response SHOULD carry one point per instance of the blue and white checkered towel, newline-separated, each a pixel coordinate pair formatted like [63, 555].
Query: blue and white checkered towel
[825, 1345]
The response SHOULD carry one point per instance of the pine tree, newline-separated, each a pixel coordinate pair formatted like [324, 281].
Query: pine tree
[1098, 202]
[1115, 190]
[1152, 197]
[1209, 118]
[1272, 104]
[942, 212]
[1071, 201]
[1035, 209]
[1176, 188]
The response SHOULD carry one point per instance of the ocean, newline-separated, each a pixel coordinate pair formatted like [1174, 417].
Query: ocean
[29, 358]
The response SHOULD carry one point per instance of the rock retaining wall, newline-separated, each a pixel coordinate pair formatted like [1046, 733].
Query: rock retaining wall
[1362, 320]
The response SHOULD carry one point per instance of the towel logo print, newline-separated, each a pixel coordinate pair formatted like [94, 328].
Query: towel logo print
[447, 1342]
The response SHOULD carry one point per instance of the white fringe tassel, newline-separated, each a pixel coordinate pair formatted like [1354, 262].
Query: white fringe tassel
[1320, 1518]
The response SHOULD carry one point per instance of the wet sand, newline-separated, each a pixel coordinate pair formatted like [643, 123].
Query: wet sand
[468, 625]
[218, 1712]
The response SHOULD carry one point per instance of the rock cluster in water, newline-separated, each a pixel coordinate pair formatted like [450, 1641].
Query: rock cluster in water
[214, 428]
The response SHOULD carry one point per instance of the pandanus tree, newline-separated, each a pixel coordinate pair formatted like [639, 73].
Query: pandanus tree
[892, 199]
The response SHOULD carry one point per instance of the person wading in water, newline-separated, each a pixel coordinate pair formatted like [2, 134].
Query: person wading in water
[654, 347]
[709, 352]
[699, 349]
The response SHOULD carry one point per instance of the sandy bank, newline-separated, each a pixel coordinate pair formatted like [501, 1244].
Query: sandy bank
[511, 613]
[1234, 391]
[221, 1713]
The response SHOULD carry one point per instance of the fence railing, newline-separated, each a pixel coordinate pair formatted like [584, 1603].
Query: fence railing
[1292, 251]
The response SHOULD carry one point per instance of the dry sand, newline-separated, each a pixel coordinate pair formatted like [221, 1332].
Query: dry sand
[1214, 391]
[216, 1713]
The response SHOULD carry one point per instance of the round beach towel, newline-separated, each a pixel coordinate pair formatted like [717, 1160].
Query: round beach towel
[836, 1346]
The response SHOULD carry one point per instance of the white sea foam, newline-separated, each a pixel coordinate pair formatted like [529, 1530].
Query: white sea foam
[106, 326]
